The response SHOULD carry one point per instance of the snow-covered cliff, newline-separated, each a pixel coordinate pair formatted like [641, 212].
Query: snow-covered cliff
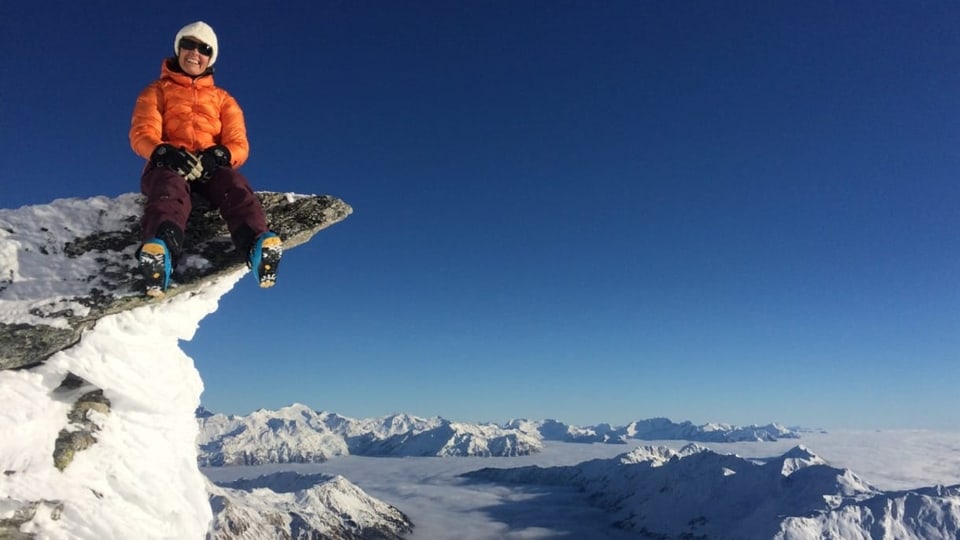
[97, 399]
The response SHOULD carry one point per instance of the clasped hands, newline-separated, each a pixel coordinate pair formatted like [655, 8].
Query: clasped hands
[191, 166]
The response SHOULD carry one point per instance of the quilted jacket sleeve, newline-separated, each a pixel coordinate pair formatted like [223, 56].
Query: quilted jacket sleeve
[146, 126]
[233, 133]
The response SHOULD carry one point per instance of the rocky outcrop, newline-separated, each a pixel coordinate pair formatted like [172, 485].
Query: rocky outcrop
[45, 313]
[96, 396]
[21, 513]
[80, 432]
[100, 275]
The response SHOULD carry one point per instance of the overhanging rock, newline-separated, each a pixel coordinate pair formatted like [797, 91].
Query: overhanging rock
[74, 263]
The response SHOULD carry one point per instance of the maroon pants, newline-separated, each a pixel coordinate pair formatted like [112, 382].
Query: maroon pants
[168, 199]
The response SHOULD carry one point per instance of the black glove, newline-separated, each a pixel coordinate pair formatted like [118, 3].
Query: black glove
[177, 160]
[213, 158]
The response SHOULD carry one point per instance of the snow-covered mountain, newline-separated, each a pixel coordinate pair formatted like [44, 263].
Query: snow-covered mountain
[298, 434]
[653, 429]
[98, 401]
[290, 505]
[698, 493]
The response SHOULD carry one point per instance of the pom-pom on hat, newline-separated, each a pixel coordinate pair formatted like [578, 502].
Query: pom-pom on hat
[199, 30]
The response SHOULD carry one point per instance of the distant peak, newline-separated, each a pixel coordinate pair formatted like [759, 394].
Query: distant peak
[797, 458]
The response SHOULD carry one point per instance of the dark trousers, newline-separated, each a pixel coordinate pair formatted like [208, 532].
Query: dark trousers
[168, 200]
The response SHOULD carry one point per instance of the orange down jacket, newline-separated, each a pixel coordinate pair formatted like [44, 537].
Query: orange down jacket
[190, 113]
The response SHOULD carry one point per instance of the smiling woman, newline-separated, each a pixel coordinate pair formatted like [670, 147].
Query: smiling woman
[194, 56]
[196, 48]
[194, 136]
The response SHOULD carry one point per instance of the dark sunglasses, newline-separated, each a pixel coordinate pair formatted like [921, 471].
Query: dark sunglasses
[202, 48]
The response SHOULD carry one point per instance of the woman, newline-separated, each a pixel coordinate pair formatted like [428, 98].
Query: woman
[194, 137]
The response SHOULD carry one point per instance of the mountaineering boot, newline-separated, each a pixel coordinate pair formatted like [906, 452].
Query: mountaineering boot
[156, 267]
[172, 236]
[265, 258]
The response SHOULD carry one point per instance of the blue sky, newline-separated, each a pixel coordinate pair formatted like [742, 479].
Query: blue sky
[737, 212]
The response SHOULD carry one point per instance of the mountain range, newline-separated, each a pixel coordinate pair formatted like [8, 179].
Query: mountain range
[298, 434]
[696, 493]
[650, 491]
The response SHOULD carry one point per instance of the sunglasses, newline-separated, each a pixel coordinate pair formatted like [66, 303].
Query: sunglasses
[189, 45]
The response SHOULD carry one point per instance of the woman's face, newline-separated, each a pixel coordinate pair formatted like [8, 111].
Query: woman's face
[192, 61]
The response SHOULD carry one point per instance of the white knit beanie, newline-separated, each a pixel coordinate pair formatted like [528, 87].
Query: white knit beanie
[201, 31]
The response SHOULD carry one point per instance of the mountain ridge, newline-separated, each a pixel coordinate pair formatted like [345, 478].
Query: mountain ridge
[695, 492]
[299, 434]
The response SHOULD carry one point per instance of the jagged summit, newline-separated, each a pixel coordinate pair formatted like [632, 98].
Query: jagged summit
[66, 264]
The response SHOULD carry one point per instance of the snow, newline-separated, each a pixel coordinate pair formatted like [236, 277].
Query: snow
[28, 276]
[140, 479]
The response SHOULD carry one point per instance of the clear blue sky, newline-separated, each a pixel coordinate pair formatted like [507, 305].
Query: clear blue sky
[591, 211]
